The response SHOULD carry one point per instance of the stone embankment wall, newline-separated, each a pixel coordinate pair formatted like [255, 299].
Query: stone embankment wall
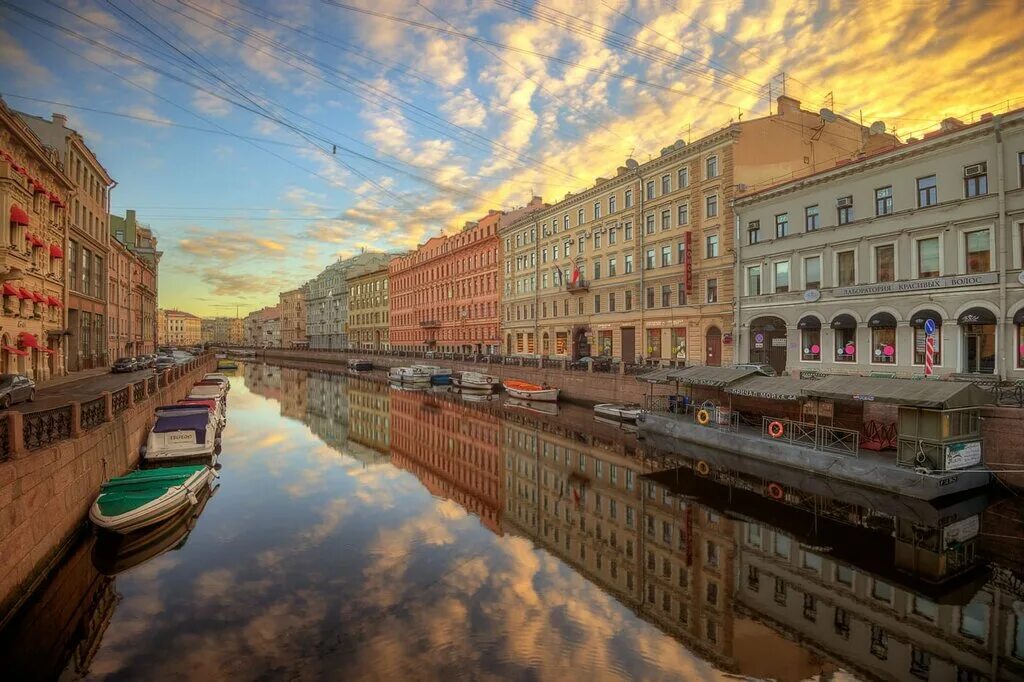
[1002, 432]
[45, 493]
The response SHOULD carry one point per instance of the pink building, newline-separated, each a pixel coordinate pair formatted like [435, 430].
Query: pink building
[444, 295]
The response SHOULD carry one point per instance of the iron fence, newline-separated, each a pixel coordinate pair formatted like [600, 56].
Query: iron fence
[119, 400]
[812, 436]
[42, 428]
[94, 413]
[139, 391]
[151, 383]
[5, 437]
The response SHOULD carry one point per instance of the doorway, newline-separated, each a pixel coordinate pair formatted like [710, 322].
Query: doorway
[979, 348]
[629, 344]
[768, 343]
[580, 345]
[713, 343]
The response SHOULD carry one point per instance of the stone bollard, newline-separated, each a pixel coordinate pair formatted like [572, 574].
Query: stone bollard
[108, 406]
[131, 395]
[16, 432]
[76, 419]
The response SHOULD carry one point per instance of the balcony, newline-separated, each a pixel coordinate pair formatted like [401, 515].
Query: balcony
[580, 286]
[430, 324]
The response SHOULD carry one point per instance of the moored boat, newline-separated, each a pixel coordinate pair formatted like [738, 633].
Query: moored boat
[145, 497]
[360, 365]
[227, 364]
[182, 434]
[409, 375]
[524, 390]
[214, 406]
[475, 381]
[439, 376]
[218, 378]
[546, 408]
[203, 391]
[627, 412]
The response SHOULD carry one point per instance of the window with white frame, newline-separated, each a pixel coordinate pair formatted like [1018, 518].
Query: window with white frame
[666, 184]
[711, 167]
[754, 280]
[711, 246]
[684, 214]
[711, 206]
[781, 283]
[812, 272]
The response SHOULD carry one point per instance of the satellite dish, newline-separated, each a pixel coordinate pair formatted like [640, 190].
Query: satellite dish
[877, 128]
[828, 116]
[632, 164]
[679, 144]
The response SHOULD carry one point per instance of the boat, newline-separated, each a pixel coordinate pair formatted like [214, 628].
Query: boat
[628, 427]
[409, 375]
[524, 390]
[546, 408]
[439, 376]
[214, 406]
[148, 496]
[475, 381]
[627, 412]
[360, 365]
[227, 364]
[203, 391]
[181, 434]
[399, 386]
[219, 377]
[476, 396]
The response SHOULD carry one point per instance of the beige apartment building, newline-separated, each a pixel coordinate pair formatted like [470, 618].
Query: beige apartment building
[224, 330]
[292, 305]
[640, 266]
[368, 321]
[840, 271]
[182, 329]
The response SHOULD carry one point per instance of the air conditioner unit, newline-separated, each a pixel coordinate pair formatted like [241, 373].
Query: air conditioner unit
[843, 202]
[975, 170]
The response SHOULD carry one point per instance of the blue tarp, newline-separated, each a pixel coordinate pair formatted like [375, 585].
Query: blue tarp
[188, 421]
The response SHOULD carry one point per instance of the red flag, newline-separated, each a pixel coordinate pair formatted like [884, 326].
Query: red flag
[575, 274]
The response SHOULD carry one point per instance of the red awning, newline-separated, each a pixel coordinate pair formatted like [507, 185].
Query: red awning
[18, 215]
[37, 188]
[56, 251]
[36, 241]
[15, 351]
[24, 295]
[28, 236]
[54, 199]
[28, 340]
[10, 289]
[38, 297]
[54, 302]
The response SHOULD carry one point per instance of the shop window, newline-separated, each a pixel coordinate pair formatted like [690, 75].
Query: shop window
[845, 334]
[883, 339]
[653, 339]
[810, 345]
[679, 343]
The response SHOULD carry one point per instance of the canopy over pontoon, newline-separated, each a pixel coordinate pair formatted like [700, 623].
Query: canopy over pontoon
[934, 395]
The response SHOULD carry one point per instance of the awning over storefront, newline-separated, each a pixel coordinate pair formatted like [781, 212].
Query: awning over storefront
[809, 322]
[770, 388]
[711, 376]
[24, 294]
[54, 302]
[882, 320]
[28, 340]
[658, 376]
[976, 315]
[922, 316]
[844, 322]
[936, 395]
[56, 251]
[38, 297]
[38, 188]
[10, 289]
[18, 215]
[15, 351]
[36, 241]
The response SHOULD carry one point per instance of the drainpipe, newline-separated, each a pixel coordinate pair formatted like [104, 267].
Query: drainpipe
[536, 286]
[737, 292]
[641, 230]
[1004, 249]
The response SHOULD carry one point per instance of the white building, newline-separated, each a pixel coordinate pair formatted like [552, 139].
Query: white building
[839, 271]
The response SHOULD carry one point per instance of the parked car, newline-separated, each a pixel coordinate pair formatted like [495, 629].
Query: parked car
[16, 388]
[124, 365]
[145, 361]
[601, 363]
[163, 362]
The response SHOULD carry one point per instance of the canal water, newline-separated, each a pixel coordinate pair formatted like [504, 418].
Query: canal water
[358, 531]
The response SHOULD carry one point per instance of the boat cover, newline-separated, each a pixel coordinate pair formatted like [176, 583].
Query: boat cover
[210, 404]
[772, 388]
[711, 376]
[185, 421]
[125, 493]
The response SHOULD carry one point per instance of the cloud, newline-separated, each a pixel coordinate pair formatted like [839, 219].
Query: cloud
[209, 104]
[227, 246]
[17, 60]
[465, 109]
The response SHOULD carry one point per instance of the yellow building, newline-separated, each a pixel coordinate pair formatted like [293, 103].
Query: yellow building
[222, 330]
[181, 328]
[293, 318]
[368, 309]
[640, 266]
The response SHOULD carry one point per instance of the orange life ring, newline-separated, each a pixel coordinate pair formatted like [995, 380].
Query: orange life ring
[775, 491]
[702, 468]
[776, 429]
[703, 417]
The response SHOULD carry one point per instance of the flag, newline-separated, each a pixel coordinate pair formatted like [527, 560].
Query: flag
[575, 274]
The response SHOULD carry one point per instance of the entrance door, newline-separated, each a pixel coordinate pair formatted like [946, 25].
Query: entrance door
[979, 349]
[629, 344]
[580, 346]
[713, 342]
[768, 343]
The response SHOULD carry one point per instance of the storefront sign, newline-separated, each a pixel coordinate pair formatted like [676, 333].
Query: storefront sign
[963, 455]
[727, 338]
[961, 531]
[689, 264]
[812, 295]
[949, 282]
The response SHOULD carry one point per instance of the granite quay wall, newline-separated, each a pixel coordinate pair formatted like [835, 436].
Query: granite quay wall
[53, 462]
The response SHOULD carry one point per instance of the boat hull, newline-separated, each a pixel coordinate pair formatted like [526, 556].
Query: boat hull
[545, 395]
[626, 413]
[162, 508]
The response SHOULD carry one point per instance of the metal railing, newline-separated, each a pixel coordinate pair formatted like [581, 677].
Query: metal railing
[93, 413]
[813, 436]
[40, 429]
[119, 399]
[139, 391]
[151, 384]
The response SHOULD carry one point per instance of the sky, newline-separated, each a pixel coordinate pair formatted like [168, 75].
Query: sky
[264, 140]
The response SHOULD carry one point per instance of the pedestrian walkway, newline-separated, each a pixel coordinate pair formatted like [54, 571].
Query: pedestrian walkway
[73, 376]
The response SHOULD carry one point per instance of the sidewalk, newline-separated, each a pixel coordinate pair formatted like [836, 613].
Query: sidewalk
[73, 376]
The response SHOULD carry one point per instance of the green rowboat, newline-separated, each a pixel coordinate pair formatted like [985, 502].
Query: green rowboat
[145, 497]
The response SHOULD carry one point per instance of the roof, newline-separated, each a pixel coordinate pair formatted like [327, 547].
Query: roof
[936, 395]
[711, 376]
[772, 388]
[658, 376]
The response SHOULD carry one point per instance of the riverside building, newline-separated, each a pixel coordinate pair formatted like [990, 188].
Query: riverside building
[640, 266]
[840, 271]
[368, 309]
[327, 301]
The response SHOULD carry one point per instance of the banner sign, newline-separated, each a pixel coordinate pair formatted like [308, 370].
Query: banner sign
[963, 455]
[689, 264]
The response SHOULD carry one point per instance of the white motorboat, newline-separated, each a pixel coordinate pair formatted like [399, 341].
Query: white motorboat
[218, 378]
[628, 427]
[627, 412]
[409, 375]
[548, 408]
[476, 396]
[182, 434]
[203, 391]
[439, 376]
[524, 390]
[145, 497]
[360, 365]
[475, 381]
[213, 405]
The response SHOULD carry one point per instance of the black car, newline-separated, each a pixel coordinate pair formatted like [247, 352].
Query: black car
[124, 365]
[16, 388]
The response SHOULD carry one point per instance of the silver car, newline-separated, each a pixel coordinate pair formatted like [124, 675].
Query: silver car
[16, 388]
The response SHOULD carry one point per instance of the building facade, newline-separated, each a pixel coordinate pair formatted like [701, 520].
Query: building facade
[639, 267]
[262, 328]
[327, 301]
[368, 319]
[293, 318]
[35, 193]
[145, 324]
[841, 271]
[182, 328]
[86, 254]
[223, 330]
[444, 295]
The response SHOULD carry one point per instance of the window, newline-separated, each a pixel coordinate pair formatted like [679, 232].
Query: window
[711, 553]
[612, 235]
[974, 621]
[712, 287]
[928, 257]
[782, 277]
[810, 344]
[650, 259]
[976, 180]
[812, 218]
[846, 269]
[711, 167]
[925, 608]
[650, 224]
[597, 303]
[611, 204]
[782, 546]
[611, 306]
[611, 267]
[883, 343]
[666, 295]
[927, 191]
[597, 210]
[628, 231]
[597, 269]
[881, 591]
[1020, 169]
[650, 189]
[681, 293]
[711, 206]
[579, 217]
[920, 341]
[920, 663]
[711, 593]
[885, 263]
[628, 299]
[627, 263]
[781, 225]
[683, 178]
[810, 607]
[883, 200]
[597, 240]
[812, 272]
[844, 575]
[666, 219]
[580, 243]
[666, 255]
[629, 198]
[666, 184]
[565, 223]
[844, 210]
[754, 280]
[711, 246]
[979, 257]
[753, 231]
[650, 297]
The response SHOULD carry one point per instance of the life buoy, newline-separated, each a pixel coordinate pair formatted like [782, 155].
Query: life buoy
[776, 429]
[702, 468]
[775, 491]
[703, 417]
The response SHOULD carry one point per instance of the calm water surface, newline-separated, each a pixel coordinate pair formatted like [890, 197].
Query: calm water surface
[362, 532]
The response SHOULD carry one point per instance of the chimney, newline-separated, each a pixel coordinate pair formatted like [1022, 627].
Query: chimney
[598, 181]
[620, 170]
[987, 116]
[788, 105]
[60, 119]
